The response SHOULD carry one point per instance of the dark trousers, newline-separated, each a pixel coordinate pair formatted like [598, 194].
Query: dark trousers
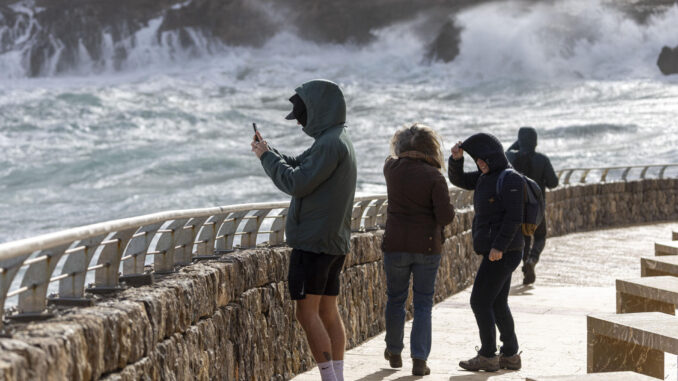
[535, 244]
[489, 301]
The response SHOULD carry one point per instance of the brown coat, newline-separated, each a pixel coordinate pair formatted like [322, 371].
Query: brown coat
[418, 207]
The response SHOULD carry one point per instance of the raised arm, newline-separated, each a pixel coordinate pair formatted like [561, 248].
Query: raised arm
[314, 167]
[292, 161]
[465, 180]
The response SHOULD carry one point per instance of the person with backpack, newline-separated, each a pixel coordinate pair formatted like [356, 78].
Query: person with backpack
[418, 209]
[537, 166]
[498, 238]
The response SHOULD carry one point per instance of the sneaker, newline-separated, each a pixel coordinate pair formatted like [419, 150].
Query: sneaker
[488, 364]
[529, 275]
[510, 362]
[419, 368]
[394, 360]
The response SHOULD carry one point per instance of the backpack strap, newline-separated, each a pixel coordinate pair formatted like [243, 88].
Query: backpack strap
[500, 180]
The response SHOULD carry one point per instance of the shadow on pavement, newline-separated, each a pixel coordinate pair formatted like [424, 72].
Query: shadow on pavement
[521, 289]
[477, 376]
[379, 375]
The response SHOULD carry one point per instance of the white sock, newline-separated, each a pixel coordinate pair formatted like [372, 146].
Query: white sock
[326, 371]
[338, 366]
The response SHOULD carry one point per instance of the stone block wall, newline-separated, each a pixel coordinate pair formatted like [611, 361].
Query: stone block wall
[605, 205]
[232, 319]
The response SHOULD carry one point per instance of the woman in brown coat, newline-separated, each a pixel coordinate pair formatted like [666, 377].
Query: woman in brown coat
[418, 209]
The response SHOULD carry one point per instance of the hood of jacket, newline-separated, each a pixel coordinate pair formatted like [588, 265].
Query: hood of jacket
[527, 140]
[489, 149]
[325, 106]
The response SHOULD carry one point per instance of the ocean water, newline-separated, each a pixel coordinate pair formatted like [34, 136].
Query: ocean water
[174, 133]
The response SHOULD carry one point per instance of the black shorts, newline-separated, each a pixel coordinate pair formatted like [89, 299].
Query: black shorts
[314, 273]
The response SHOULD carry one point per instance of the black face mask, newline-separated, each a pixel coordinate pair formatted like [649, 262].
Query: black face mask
[299, 109]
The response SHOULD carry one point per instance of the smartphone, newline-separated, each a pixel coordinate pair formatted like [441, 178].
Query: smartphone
[256, 135]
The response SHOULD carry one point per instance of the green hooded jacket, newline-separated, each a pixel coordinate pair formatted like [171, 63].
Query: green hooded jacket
[322, 179]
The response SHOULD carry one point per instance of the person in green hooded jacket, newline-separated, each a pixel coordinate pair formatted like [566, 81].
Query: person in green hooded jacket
[322, 183]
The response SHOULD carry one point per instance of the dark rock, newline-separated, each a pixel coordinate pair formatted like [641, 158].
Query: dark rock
[446, 45]
[51, 46]
[668, 60]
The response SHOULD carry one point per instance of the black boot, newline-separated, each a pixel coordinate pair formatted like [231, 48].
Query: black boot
[419, 367]
[528, 270]
[395, 361]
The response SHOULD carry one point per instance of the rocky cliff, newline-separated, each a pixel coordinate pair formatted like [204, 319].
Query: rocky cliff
[55, 36]
[49, 37]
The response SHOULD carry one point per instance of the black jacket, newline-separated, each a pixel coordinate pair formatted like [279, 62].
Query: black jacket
[498, 217]
[532, 164]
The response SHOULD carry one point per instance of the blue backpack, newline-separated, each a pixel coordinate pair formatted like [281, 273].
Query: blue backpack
[533, 202]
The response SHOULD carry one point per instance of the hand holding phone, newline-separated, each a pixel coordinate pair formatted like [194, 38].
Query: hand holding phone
[257, 136]
[259, 145]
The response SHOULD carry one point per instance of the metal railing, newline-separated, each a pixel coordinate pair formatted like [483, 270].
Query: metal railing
[131, 251]
[623, 172]
[68, 267]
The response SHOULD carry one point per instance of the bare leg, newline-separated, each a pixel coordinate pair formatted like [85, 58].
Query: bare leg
[329, 314]
[309, 317]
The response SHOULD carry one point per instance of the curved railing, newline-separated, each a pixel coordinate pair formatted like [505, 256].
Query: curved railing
[605, 173]
[60, 268]
[131, 251]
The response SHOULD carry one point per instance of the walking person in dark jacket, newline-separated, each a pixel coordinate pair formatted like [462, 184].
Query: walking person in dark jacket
[418, 209]
[536, 166]
[322, 183]
[497, 237]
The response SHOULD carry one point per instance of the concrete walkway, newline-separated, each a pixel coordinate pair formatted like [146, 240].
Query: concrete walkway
[575, 277]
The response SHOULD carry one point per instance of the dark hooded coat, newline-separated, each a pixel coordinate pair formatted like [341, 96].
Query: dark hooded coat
[526, 160]
[322, 179]
[497, 219]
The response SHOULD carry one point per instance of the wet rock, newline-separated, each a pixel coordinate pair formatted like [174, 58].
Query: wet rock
[445, 47]
[100, 34]
[668, 60]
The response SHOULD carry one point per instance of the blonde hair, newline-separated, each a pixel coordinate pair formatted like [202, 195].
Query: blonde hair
[419, 142]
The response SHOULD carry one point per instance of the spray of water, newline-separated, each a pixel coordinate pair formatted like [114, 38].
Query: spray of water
[170, 128]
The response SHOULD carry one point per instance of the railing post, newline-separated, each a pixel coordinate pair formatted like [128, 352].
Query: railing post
[625, 173]
[33, 300]
[371, 214]
[277, 235]
[205, 240]
[357, 214]
[164, 248]
[106, 276]
[224, 243]
[251, 229]
[135, 250]
[382, 213]
[185, 239]
[72, 288]
[582, 179]
[567, 176]
[8, 270]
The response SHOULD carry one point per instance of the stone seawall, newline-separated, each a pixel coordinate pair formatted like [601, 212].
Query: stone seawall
[232, 319]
